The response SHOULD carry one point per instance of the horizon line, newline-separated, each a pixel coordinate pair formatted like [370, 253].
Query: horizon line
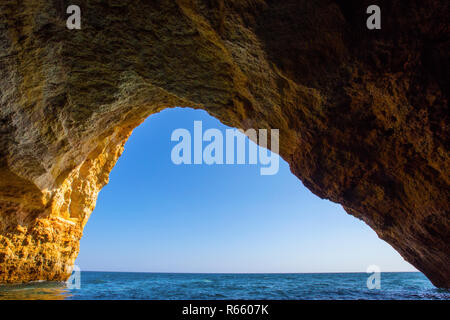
[168, 272]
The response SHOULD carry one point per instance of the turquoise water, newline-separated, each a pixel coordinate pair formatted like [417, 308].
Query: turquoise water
[127, 285]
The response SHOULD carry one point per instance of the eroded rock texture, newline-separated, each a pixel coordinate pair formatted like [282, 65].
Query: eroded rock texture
[363, 115]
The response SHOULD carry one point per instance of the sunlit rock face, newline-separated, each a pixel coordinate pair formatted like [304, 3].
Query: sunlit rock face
[363, 115]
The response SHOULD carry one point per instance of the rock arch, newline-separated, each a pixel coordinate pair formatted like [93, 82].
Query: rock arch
[362, 114]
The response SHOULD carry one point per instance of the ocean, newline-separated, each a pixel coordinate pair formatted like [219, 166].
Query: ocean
[181, 286]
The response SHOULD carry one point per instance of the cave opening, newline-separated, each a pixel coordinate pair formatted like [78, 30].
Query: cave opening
[157, 216]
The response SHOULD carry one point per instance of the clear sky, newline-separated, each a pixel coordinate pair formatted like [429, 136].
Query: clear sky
[155, 216]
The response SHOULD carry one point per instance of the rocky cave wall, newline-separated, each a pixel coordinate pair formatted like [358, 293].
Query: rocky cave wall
[363, 114]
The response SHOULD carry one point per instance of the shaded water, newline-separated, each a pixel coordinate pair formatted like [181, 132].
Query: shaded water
[127, 285]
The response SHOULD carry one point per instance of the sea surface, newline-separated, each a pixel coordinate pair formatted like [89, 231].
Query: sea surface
[156, 286]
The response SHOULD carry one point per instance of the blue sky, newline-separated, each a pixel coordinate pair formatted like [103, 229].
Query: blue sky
[155, 216]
